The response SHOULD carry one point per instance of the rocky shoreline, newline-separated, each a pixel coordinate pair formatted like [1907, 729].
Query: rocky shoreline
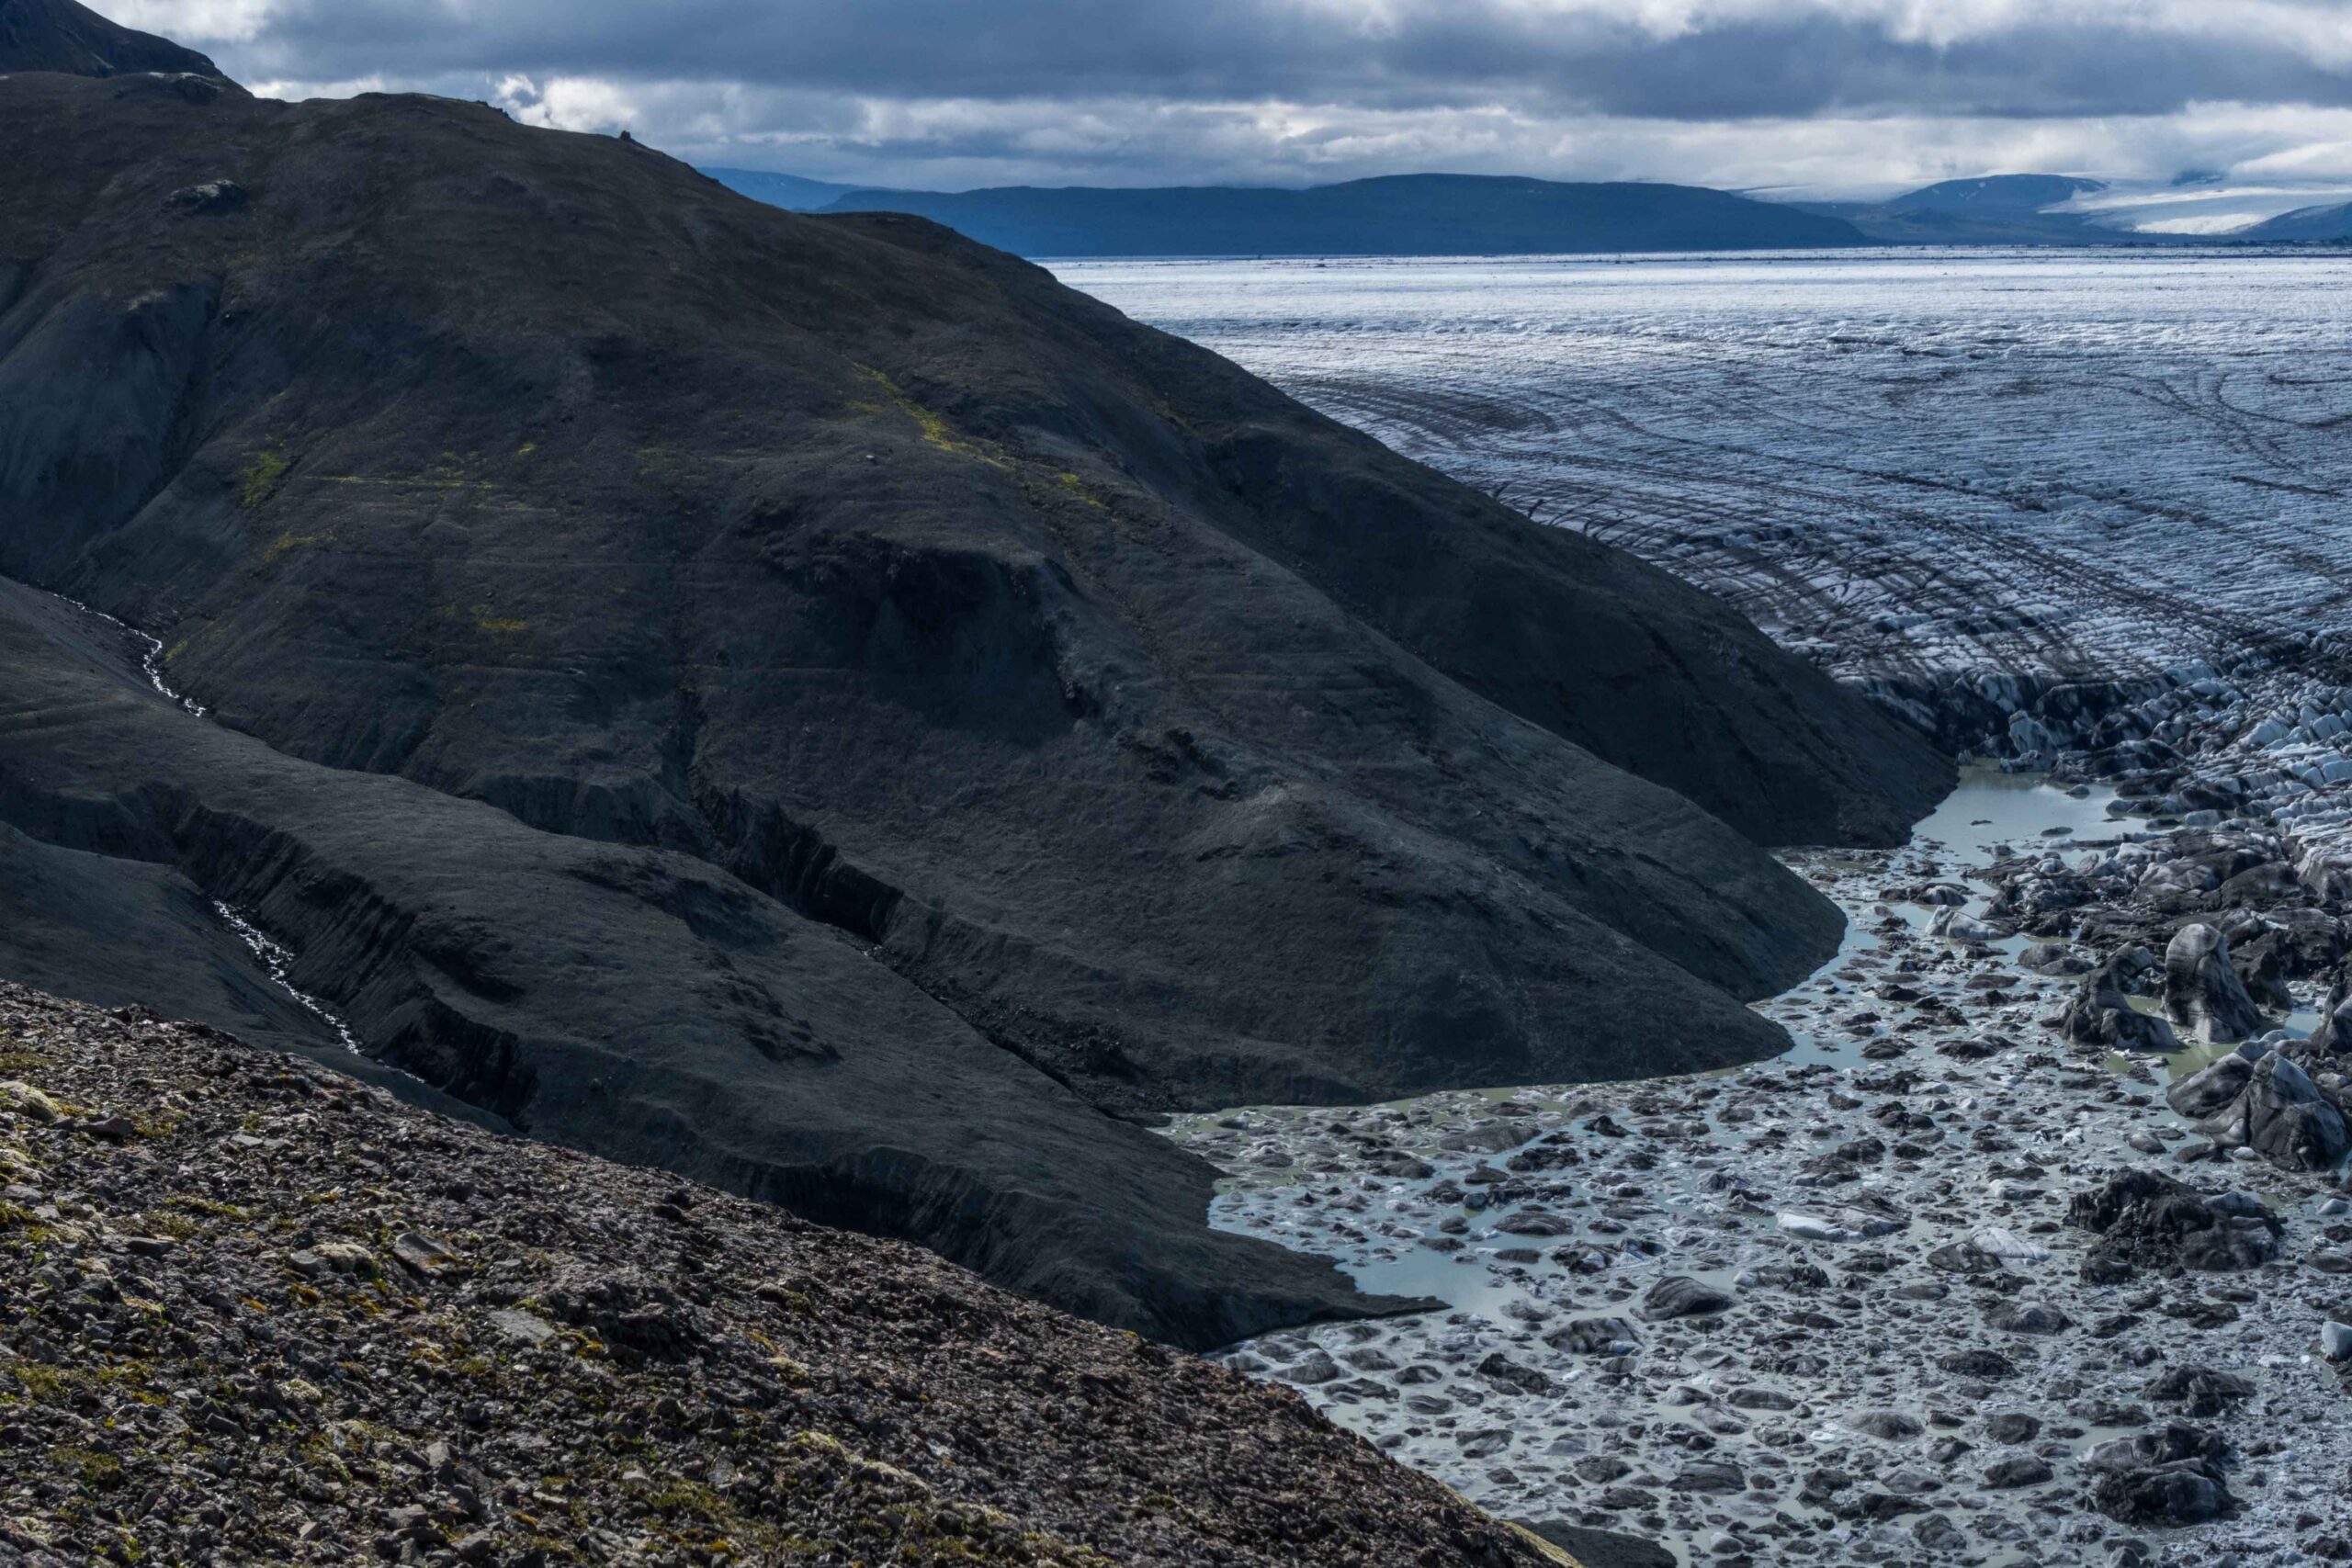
[2003, 1264]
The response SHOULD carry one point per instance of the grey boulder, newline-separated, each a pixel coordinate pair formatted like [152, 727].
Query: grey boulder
[2148, 1220]
[2101, 1012]
[2203, 991]
[1679, 1296]
[2185, 1491]
[2278, 1113]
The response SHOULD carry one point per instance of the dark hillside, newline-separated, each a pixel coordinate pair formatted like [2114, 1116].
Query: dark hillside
[816, 703]
[58, 35]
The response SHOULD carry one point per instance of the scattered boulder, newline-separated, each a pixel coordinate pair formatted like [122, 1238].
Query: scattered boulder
[2334, 1034]
[1527, 1380]
[2202, 1390]
[2018, 1318]
[1856, 1218]
[2017, 1470]
[1987, 1364]
[2208, 1090]
[423, 1254]
[2012, 1426]
[212, 195]
[32, 1104]
[1708, 1475]
[1679, 1296]
[2054, 958]
[2203, 991]
[2147, 1220]
[2279, 1111]
[523, 1328]
[1952, 923]
[1536, 1222]
[2263, 966]
[1595, 1336]
[2101, 1013]
[2185, 1491]
[2003, 1245]
[1603, 1549]
[2173, 1442]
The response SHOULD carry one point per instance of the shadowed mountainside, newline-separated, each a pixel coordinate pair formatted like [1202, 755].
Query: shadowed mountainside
[1399, 215]
[2329, 221]
[58, 35]
[633, 1002]
[817, 704]
[1994, 209]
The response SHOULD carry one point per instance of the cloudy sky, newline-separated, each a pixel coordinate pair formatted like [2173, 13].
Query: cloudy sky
[1834, 97]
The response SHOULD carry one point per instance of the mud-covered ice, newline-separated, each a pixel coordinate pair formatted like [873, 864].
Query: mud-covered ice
[2026, 496]
[1830, 1307]
[2048, 504]
[1945, 1281]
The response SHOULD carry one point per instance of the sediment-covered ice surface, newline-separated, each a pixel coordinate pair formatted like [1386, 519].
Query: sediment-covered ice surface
[2000, 1266]
[2046, 503]
[1942, 1285]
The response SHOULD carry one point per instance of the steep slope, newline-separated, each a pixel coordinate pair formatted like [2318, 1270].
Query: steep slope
[631, 1001]
[59, 35]
[1166, 744]
[250, 1313]
[1395, 215]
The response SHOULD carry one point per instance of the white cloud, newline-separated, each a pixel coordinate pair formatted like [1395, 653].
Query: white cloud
[569, 103]
[948, 143]
[1833, 96]
[195, 22]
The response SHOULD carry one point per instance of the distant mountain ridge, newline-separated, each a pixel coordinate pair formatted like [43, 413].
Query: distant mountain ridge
[1997, 193]
[2332, 221]
[1393, 215]
[791, 192]
[1429, 214]
[1994, 209]
[2049, 209]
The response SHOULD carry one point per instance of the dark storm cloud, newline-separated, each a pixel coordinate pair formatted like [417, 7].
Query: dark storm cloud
[1795, 58]
[1824, 94]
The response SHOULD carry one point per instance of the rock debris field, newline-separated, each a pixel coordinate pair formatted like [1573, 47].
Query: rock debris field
[1957, 1280]
[253, 1312]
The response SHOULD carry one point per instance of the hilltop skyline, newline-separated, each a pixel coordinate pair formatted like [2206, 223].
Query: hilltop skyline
[1811, 98]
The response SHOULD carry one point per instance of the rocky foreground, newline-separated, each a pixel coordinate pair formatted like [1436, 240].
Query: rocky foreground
[252, 1312]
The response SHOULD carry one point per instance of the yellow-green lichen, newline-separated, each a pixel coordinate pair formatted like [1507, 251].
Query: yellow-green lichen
[292, 541]
[259, 478]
